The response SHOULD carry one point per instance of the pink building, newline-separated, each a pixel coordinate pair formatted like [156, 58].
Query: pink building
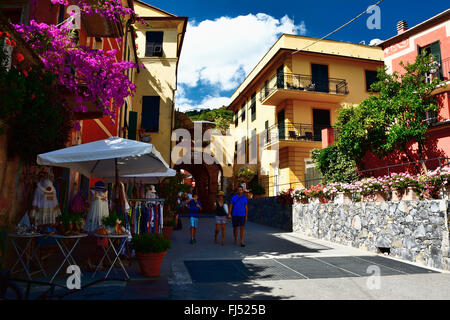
[432, 36]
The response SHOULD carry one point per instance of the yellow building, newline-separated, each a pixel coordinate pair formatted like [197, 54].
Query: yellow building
[292, 94]
[150, 115]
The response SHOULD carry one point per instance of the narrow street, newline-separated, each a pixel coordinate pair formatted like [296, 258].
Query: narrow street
[276, 265]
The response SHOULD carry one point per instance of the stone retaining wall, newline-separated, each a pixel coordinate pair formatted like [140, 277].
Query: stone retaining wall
[269, 212]
[416, 231]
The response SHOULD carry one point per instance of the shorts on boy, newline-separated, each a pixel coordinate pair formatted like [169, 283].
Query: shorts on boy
[238, 221]
[193, 222]
[221, 220]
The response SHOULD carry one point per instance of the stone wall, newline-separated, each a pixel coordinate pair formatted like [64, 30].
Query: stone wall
[269, 212]
[416, 231]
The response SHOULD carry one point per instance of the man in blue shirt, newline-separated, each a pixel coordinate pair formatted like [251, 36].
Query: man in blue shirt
[194, 208]
[239, 214]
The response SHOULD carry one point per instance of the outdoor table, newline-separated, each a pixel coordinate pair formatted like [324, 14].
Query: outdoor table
[21, 251]
[110, 238]
[65, 250]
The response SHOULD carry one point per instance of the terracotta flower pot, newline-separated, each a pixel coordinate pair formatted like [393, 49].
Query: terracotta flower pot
[167, 231]
[150, 263]
[404, 195]
[342, 197]
[378, 196]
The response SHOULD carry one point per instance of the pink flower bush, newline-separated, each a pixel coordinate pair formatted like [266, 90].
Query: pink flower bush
[109, 9]
[91, 75]
[427, 186]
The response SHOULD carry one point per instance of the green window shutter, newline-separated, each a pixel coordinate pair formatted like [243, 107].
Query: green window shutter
[150, 113]
[132, 126]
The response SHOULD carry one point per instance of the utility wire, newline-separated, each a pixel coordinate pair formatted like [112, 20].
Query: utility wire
[324, 37]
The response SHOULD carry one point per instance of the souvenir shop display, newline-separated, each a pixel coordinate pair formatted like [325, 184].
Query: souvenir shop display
[25, 227]
[145, 216]
[45, 207]
[98, 208]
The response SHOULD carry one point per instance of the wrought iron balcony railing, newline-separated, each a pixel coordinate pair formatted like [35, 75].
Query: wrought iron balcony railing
[294, 132]
[300, 82]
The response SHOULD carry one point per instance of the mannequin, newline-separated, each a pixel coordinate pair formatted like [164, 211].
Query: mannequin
[151, 193]
[45, 208]
[98, 208]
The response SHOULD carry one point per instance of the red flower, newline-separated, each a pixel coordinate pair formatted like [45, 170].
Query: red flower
[13, 43]
[1, 33]
[19, 57]
[25, 73]
[33, 96]
[8, 42]
[7, 34]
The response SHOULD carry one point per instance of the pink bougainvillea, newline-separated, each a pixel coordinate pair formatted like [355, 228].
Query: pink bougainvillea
[109, 9]
[92, 75]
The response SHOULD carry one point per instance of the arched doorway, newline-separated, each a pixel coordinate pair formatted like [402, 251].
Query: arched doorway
[206, 182]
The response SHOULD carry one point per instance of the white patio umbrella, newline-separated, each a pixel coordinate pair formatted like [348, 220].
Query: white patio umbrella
[149, 178]
[103, 158]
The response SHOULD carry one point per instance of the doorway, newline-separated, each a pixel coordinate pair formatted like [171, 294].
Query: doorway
[321, 120]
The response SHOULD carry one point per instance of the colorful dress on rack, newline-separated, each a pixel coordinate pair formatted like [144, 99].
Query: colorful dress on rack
[97, 211]
[45, 208]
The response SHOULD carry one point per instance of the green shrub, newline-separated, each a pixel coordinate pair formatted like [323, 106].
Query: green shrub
[150, 243]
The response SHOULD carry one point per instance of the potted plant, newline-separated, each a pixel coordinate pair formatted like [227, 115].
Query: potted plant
[168, 228]
[285, 197]
[300, 196]
[150, 251]
[316, 194]
[374, 189]
[403, 187]
[110, 222]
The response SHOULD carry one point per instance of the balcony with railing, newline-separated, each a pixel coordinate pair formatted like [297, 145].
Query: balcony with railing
[298, 86]
[293, 132]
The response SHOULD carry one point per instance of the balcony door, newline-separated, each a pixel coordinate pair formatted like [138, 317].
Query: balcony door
[321, 120]
[280, 77]
[281, 125]
[319, 77]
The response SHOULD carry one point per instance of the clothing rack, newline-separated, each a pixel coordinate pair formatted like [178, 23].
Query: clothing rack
[146, 217]
[147, 200]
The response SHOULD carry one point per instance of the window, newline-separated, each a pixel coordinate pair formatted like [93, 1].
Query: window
[266, 126]
[371, 77]
[243, 112]
[154, 44]
[435, 50]
[150, 113]
[253, 107]
[236, 118]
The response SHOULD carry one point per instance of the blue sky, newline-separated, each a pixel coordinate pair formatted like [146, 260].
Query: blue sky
[225, 39]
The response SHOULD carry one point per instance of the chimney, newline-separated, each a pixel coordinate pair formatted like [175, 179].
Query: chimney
[402, 26]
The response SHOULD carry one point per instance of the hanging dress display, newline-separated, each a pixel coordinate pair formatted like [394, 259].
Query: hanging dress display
[45, 208]
[98, 208]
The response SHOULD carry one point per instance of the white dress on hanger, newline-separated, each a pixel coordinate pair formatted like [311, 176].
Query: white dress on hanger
[45, 208]
[97, 211]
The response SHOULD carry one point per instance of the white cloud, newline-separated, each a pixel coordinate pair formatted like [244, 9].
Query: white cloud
[223, 51]
[209, 102]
